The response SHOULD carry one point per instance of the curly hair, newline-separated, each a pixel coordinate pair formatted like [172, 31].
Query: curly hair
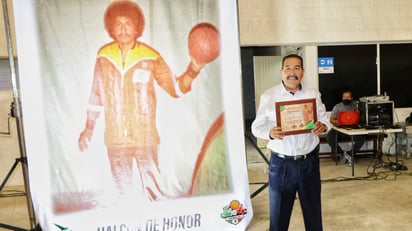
[124, 8]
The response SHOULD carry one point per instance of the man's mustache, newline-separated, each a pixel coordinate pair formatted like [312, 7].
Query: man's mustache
[292, 77]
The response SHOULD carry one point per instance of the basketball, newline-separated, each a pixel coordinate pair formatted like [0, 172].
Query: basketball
[234, 205]
[204, 42]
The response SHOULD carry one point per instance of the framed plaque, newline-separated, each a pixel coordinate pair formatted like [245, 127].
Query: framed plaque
[297, 116]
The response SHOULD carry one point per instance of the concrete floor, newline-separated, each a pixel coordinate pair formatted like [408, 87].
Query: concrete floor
[382, 201]
[375, 198]
[13, 209]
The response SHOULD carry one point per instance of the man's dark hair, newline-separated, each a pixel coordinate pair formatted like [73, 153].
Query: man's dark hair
[293, 56]
[347, 91]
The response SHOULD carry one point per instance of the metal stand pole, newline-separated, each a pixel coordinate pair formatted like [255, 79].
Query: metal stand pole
[19, 122]
[16, 162]
[266, 184]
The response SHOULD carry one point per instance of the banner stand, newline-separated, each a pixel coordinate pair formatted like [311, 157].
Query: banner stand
[23, 158]
[251, 138]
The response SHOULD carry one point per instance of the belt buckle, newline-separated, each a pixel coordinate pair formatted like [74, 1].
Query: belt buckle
[295, 157]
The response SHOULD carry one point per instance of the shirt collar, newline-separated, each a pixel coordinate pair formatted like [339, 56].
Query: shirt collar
[289, 92]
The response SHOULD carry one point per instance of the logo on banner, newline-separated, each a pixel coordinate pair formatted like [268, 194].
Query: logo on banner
[62, 227]
[234, 212]
[141, 75]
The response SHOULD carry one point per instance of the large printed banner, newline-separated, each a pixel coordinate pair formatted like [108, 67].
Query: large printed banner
[132, 114]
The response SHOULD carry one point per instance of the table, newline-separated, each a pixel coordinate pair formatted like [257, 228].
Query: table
[363, 131]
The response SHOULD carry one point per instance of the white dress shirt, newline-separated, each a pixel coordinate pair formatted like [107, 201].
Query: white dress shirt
[291, 145]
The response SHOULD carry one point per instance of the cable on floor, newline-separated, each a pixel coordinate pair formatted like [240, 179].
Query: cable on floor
[373, 173]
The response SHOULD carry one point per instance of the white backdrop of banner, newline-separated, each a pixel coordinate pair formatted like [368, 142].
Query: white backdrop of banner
[201, 154]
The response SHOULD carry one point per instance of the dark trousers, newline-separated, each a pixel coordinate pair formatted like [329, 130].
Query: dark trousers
[286, 177]
[331, 138]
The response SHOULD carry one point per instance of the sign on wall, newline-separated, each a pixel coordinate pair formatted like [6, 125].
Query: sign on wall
[326, 65]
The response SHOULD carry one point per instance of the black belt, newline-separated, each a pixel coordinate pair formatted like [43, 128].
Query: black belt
[296, 158]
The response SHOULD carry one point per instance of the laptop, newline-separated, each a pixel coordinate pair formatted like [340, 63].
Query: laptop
[349, 119]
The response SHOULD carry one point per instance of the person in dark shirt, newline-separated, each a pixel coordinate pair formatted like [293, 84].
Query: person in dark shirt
[347, 104]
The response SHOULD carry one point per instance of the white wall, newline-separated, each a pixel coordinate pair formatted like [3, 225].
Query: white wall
[3, 38]
[280, 22]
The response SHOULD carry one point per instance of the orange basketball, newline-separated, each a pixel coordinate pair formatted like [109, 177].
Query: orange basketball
[204, 42]
[235, 204]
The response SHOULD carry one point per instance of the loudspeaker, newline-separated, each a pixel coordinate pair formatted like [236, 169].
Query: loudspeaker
[376, 114]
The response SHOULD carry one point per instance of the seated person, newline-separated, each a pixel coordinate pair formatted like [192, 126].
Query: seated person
[347, 104]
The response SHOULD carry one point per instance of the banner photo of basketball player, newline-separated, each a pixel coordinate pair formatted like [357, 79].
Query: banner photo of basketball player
[133, 114]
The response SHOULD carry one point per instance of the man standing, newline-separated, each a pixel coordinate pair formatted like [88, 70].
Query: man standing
[347, 104]
[294, 162]
[125, 74]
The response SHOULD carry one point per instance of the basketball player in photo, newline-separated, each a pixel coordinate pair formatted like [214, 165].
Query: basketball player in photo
[125, 74]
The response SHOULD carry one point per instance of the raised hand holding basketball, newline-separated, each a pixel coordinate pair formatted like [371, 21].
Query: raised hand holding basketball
[204, 43]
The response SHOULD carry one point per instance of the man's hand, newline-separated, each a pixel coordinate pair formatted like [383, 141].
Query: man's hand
[319, 128]
[84, 138]
[276, 133]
